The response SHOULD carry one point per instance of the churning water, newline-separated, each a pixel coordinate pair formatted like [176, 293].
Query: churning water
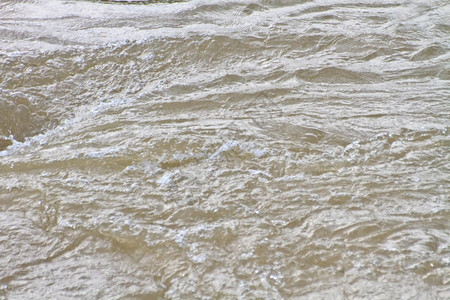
[224, 149]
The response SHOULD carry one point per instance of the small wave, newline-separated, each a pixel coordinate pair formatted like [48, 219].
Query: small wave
[335, 75]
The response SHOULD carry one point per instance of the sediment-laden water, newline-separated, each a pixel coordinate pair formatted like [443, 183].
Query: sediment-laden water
[224, 149]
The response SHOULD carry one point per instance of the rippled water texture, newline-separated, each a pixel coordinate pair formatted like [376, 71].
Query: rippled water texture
[224, 149]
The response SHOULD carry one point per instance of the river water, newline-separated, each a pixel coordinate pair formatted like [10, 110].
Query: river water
[224, 149]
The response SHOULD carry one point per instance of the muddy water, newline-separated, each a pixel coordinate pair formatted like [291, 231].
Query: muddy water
[224, 149]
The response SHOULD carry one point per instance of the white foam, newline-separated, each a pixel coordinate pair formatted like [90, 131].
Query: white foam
[225, 147]
[166, 179]
[260, 173]
[111, 151]
[249, 147]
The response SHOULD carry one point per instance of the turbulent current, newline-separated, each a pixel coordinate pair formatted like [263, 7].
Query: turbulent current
[224, 149]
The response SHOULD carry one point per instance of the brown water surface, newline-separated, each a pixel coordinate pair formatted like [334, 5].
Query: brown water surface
[224, 149]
